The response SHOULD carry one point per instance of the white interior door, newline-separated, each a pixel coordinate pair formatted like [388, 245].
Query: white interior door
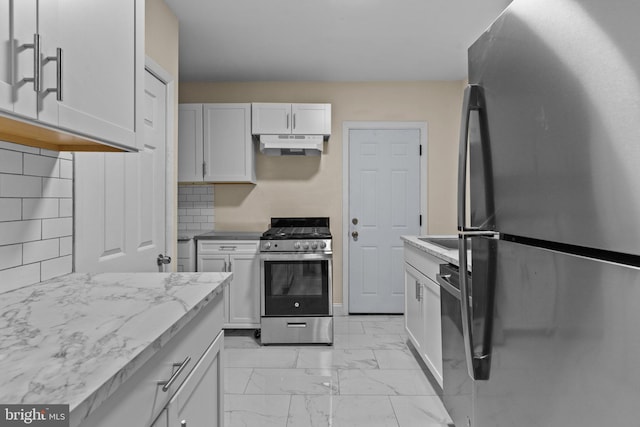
[384, 204]
[120, 198]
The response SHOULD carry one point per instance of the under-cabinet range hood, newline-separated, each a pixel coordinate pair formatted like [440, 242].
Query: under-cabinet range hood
[291, 145]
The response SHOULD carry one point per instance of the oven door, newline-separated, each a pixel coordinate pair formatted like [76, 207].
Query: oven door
[295, 284]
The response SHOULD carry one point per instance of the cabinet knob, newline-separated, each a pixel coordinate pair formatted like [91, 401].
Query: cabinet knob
[183, 423]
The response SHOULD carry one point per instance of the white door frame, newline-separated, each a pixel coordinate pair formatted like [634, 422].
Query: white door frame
[346, 127]
[170, 235]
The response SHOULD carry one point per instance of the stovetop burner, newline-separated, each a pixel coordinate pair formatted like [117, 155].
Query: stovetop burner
[297, 235]
[297, 228]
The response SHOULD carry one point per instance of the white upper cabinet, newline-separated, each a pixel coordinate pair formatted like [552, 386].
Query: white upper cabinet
[18, 26]
[297, 119]
[190, 155]
[88, 65]
[214, 143]
[228, 148]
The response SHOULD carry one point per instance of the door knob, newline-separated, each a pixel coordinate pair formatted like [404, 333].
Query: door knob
[354, 234]
[162, 259]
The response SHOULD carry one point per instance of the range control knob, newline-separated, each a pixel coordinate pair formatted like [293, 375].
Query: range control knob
[305, 245]
[323, 245]
[296, 245]
[314, 245]
[266, 245]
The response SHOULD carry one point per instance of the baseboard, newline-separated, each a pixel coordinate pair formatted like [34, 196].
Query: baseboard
[338, 310]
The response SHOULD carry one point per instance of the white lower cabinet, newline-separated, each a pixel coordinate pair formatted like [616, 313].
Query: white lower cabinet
[199, 400]
[242, 297]
[186, 256]
[196, 389]
[422, 308]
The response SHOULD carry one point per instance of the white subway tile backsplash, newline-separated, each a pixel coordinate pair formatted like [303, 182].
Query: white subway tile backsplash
[57, 227]
[57, 187]
[36, 215]
[41, 165]
[40, 250]
[56, 267]
[195, 207]
[200, 189]
[66, 169]
[14, 278]
[40, 208]
[66, 246]
[10, 256]
[20, 231]
[10, 209]
[10, 161]
[66, 207]
[20, 186]
[18, 147]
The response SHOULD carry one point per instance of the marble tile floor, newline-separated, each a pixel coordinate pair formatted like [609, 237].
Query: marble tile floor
[368, 378]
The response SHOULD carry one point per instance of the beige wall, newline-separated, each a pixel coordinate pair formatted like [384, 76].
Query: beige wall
[295, 186]
[161, 45]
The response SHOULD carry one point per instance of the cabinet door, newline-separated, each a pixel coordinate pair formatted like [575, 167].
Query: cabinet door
[102, 67]
[190, 156]
[213, 262]
[17, 29]
[227, 145]
[199, 400]
[311, 119]
[271, 118]
[244, 293]
[413, 306]
[432, 342]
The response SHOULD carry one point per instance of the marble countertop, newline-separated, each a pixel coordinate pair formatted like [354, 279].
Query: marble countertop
[448, 255]
[74, 339]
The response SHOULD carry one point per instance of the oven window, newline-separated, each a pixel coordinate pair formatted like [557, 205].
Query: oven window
[295, 288]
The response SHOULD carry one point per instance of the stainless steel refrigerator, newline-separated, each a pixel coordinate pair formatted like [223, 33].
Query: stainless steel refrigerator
[551, 135]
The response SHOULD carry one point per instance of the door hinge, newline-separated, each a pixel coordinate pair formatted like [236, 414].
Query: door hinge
[420, 149]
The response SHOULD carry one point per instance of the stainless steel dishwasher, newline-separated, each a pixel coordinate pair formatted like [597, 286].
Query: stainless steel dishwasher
[457, 386]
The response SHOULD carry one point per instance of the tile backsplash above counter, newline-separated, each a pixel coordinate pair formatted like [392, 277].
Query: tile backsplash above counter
[36, 215]
[195, 209]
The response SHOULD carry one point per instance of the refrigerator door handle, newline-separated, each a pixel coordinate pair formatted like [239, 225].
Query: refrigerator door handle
[473, 101]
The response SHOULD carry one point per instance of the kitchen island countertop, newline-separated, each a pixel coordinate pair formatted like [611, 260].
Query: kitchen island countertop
[74, 339]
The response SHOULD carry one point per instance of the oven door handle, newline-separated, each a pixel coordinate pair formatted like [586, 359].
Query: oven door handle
[286, 256]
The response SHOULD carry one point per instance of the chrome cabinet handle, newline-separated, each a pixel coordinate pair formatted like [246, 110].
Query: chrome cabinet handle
[417, 291]
[183, 423]
[225, 266]
[37, 62]
[294, 120]
[168, 383]
[58, 60]
[287, 121]
[228, 248]
[229, 266]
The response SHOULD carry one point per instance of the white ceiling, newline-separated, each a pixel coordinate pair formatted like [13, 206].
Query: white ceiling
[329, 40]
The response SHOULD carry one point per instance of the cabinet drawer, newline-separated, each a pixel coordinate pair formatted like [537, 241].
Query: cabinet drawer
[425, 263]
[208, 246]
[139, 400]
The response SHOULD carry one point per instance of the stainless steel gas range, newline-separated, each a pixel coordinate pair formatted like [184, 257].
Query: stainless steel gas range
[296, 282]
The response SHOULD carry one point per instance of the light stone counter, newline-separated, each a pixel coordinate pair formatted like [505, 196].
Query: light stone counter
[74, 339]
[447, 255]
